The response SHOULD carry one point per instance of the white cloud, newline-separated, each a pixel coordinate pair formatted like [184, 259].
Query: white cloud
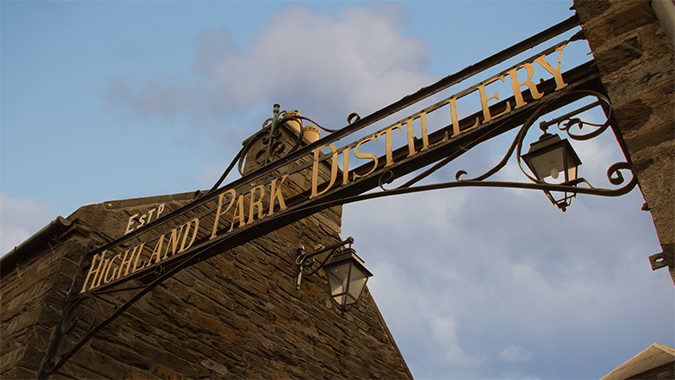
[444, 333]
[20, 219]
[461, 274]
[514, 354]
[326, 67]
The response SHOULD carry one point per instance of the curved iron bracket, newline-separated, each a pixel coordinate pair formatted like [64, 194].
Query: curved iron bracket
[270, 135]
[565, 123]
[306, 259]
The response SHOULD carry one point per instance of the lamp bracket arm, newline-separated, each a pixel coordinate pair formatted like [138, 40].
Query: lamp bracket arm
[496, 168]
[538, 185]
[304, 259]
[516, 146]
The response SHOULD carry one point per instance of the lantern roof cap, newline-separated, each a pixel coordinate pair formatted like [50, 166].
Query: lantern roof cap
[348, 254]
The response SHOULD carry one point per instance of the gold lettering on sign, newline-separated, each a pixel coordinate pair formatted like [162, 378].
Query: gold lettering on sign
[560, 83]
[233, 195]
[131, 221]
[195, 230]
[256, 203]
[276, 195]
[364, 156]
[411, 134]
[182, 237]
[136, 252]
[156, 255]
[516, 85]
[239, 216]
[138, 256]
[107, 279]
[455, 118]
[126, 262]
[411, 137]
[315, 170]
[425, 135]
[387, 142]
[172, 244]
[345, 166]
[101, 270]
[484, 100]
[92, 271]
[143, 219]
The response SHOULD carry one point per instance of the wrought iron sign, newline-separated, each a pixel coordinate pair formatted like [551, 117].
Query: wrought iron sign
[430, 137]
[235, 207]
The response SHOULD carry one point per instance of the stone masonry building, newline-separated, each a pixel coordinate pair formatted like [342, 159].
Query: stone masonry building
[235, 315]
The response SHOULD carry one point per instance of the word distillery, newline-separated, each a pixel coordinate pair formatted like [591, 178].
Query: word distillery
[261, 201]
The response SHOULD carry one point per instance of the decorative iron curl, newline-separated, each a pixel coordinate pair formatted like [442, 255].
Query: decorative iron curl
[70, 321]
[307, 262]
[614, 175]
[270, 135]
[567, 124]
[386, 177]
[564, 123]
[267, 137]
[159, 269]
[300, 117]
[268, 123]
[306, 259]
[459, 174]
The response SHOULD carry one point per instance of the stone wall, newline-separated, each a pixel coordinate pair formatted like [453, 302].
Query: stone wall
[635, 60]
[235, 315]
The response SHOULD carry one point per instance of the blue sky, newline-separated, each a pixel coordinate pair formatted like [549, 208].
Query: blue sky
[114, 100]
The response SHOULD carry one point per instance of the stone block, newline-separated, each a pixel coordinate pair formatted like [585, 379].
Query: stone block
[20, 322]
[165, 373]
[12, 357]
[627, 52]
[604, 21]
[219, 369]
[18, 373]
[213, 325]
[135, 373]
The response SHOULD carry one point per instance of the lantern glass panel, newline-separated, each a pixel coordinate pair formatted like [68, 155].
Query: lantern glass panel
[357, 283]
[572, 173]
[338, 279]
[548, 164]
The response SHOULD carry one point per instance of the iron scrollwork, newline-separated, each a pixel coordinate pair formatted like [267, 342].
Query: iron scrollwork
[270, 136]
[564, 123]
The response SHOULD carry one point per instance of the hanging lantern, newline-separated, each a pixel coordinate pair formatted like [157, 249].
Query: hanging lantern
[549, 157]
[347, 277]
